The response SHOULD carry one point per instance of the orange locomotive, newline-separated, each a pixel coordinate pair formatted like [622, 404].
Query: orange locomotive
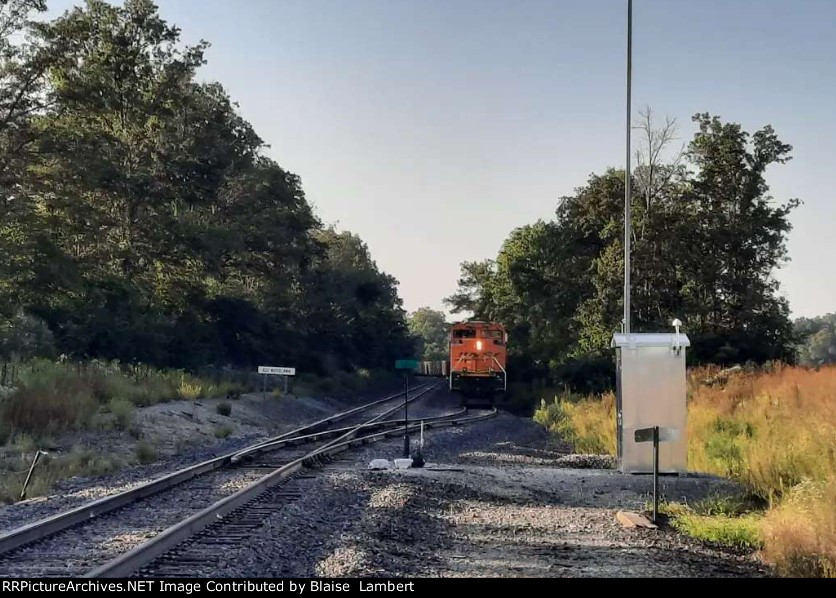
[478, 357]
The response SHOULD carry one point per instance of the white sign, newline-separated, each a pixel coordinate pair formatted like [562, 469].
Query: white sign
[271, 371]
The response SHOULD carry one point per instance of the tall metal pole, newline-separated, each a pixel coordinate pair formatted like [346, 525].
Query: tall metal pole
[627, 181]
[406, 414]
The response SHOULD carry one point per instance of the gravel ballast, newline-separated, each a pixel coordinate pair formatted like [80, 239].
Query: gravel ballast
[497, 498]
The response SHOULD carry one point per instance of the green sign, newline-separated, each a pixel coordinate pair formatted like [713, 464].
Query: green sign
[406, 364]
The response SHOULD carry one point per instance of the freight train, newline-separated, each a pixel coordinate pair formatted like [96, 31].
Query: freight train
[476, 366]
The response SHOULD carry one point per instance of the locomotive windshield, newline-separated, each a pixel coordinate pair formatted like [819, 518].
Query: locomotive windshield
[464, 333]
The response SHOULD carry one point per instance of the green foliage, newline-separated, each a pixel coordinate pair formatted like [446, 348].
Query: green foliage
[818, 340]
[25, 337]
[145, 453]
[432, 330]
[80, 461]
[52, 398]
[706, 240]
[735, 529]
[344, 384]
[123, 413]
[48, 402]
[141, 222]
[587, 423]
[224, 430]
[224, 408]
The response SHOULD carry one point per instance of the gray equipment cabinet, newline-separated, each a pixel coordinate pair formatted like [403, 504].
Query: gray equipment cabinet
[650, 391]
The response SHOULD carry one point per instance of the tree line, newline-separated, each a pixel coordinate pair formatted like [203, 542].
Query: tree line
[706, 239]
[141, 220]
[818, 340]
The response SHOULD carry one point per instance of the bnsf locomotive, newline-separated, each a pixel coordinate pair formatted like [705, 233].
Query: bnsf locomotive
[477, 364]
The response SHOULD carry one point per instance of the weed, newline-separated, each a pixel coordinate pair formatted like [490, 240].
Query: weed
[223, 431]
[735, 531]
[51, 468]
[123, 413]
[145, 453]
[773, 430]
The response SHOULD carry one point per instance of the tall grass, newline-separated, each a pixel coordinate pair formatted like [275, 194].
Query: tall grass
[80, 461]
[773, 430]
[53, 398]
[587, 423]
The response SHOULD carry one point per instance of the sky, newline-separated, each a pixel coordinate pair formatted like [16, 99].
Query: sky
[432, 128]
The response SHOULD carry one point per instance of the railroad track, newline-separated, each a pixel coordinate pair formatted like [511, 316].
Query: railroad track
[80, 540]
[200, 543]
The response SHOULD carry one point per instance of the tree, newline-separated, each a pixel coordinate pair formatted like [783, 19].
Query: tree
[817, 340]
[356, 315]
[432, 330]
[23, 94]
[24, 337]
[653, 172]
[738, 239]
[145, 224]
[706, 241]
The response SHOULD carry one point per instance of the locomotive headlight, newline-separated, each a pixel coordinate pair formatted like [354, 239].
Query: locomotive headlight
[478, 345]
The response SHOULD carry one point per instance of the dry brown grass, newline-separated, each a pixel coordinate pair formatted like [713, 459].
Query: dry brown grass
[774, 430]
[800, 534]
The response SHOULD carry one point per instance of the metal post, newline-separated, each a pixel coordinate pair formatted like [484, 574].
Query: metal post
[655, 472]
[285, 385]
[627, 181]
[29, 475]
[406, 414]
[264, 387]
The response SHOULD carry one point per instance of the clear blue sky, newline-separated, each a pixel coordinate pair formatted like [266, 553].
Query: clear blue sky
[407, 119]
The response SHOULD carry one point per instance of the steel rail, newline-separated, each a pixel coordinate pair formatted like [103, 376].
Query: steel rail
[129, 562]
[42, 528]
[250, 452]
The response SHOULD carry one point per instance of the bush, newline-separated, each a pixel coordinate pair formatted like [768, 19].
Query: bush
[145, 453]
[24, 337]
[48, 403]
[224, 408]
[224, 430]
[123, 413]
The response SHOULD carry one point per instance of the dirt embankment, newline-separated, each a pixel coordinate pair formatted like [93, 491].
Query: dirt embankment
[177, 434]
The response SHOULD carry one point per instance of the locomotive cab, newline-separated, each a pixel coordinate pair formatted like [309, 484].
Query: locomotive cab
[477, 361]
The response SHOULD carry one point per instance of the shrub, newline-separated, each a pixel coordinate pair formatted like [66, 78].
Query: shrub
[145, 453]
[48, 403]
[224, 430]
[189, 391]
[224, 408]
[24, 337]
[123, 413]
